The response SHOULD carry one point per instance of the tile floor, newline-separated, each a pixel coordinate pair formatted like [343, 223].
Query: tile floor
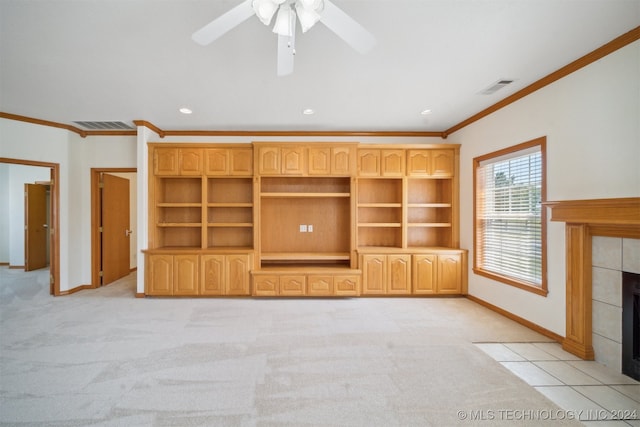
[587, 391]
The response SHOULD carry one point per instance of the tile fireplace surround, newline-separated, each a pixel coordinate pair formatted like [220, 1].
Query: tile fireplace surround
[601, 242]
[610, 257]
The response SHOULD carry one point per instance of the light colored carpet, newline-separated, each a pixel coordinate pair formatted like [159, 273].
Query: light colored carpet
[103, 357]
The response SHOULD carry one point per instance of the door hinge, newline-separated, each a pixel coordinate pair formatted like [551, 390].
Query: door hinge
[51, 280]
[101, 184]
[100, 229]
[100, 274]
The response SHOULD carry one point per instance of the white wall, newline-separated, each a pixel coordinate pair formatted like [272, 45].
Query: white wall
[76, 156]
[4, 213]
[591, 119]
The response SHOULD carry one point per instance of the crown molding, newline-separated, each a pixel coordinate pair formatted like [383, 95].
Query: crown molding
[604, 50]
[608, 48]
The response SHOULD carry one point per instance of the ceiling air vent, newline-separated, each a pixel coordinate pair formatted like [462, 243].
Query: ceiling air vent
[497, 86]
[104, 125]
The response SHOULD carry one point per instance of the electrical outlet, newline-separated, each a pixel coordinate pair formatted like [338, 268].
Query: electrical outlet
[303, 228]
[310, 228]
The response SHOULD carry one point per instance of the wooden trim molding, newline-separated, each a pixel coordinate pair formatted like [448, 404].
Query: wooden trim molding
[615, 44]
[585, 219]
[81, 132]
[54, 229]
[34, 121]
[597, 212]
[284, 133]
[547, 333]
[610, 47]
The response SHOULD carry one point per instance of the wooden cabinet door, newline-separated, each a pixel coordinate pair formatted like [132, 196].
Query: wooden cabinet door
[373, 274]
[424, 274]
[266, 285]
[237, 282]
[185, 275]
[392, 163]
[418, 162]
[320, 285]
[165, 161]
[212, 274]
[241, 161]
[191, 161]
[269, 158]
[341, 161]
[320, 161]
[398, 274]
[369, 162]
[442, 163]
[292, 285]
[216, 161]
[346, 285]
[293, 161]
[449, 274]
[159, 275]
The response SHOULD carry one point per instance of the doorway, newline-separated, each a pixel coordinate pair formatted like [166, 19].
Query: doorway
[113, 245]
[53, 221]
[36, 226]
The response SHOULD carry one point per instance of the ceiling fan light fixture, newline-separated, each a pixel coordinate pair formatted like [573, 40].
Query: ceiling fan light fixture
[308, 16]
[265, 9]
[285, 21]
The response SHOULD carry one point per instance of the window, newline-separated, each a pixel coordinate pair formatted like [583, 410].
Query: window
[509, 219]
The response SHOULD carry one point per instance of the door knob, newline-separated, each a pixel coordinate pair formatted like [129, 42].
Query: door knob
[128, 233]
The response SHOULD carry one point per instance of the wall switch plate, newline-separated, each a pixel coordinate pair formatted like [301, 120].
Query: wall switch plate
[310, 228]
[303, 228]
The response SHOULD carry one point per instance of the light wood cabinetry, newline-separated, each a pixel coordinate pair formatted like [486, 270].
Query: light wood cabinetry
[381, 162]
[386, 274]
[303, 219]
[225, 274]
[439, 273]
[316, 280]
[178, 161]
[172, 274]
[431, 163]
[228, 161]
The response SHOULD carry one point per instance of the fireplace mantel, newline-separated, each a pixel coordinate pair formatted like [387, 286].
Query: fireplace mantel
[584, 219]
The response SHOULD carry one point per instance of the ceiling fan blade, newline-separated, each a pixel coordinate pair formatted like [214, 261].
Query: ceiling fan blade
[223, 23]
[286, 53]
[354, 34]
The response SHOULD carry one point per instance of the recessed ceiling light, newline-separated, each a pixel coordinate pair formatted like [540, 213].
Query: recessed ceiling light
[308, 111]
[185, 110]
[425, 112]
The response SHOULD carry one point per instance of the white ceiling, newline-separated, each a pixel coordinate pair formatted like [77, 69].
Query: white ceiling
[123, 60]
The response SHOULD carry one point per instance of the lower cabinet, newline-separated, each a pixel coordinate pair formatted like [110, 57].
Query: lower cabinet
[193, 274]
[386, 274]
[225, 274]
[437, 274]
[310, 284]
[441, 272]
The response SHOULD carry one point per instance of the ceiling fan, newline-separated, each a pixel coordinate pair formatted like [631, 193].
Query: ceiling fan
[308, 12]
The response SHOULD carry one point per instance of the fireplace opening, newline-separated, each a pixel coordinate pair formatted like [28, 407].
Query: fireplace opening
[631, 325]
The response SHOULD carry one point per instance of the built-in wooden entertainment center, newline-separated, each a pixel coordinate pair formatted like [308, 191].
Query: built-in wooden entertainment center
[304, 219]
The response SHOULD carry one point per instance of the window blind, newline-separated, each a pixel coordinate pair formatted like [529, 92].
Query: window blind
[509, 215]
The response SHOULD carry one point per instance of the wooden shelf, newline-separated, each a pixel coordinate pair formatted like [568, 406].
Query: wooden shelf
[179, 224]
[379, 205]
[428, 205]
[303, 195]
[297, 256]
[380, 224]
[178, 205]
[230, 224]
[429, 224]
